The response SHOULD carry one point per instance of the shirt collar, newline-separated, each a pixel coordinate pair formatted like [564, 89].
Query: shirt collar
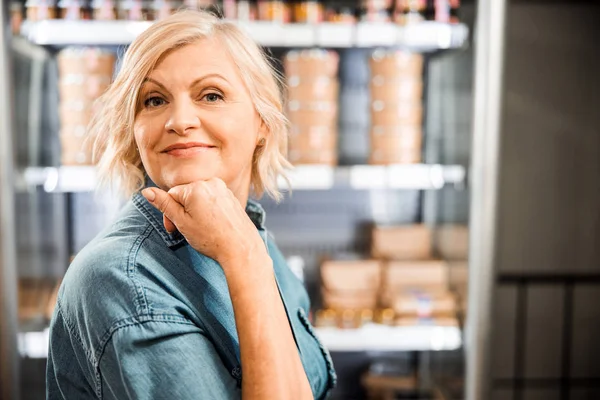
[254, 210]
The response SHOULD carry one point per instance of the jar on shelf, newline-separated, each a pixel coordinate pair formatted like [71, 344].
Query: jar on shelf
[375, 10]
[40, 10]
[104, 10]
[136, 10]
[410, 11]
[446, 10]
[71, 9]
[163, 8]
[341, 15]
[308, 11]
[246, 10]
[274, 11]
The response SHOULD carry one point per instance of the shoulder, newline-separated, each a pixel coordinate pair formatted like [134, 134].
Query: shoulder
[111, 281]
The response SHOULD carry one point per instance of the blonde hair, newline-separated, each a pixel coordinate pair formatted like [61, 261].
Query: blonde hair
[111, 128]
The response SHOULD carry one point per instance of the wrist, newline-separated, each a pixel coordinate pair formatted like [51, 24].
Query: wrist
[246, 256]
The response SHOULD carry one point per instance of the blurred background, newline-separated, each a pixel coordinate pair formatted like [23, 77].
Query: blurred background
[445, 214]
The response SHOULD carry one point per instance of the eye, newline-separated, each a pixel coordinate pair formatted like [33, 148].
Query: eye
[213, 97]
[154, 102]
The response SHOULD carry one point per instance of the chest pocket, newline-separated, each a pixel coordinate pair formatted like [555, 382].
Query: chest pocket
[315, 358]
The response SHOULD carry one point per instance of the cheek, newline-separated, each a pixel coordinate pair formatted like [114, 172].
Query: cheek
[143, 134]
[238, 135]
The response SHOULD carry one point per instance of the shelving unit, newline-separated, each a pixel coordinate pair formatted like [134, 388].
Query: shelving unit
[368, 338]
[303, 177]
[425, 36]
[387, 338]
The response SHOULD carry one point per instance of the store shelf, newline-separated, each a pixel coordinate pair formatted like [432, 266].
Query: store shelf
[303, 177]
[425, 36]
[389, 338]
[34, 344]
[368, 338]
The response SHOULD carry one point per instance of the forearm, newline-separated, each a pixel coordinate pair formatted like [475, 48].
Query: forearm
[270, 361]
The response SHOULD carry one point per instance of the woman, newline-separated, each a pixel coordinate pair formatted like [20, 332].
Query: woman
[185, 296]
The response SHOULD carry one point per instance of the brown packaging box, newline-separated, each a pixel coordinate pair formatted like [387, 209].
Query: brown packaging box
[351, 275]
[74, 117]
[83, 87]
[401, 242]
[380, 157]
[405, 276]
[313, 118]
[452, 242]
[430, 275]
[308, 89]
[458, 276]
[386, 113]
[436, 321]
[312, 145]
[322, 157]
[425, 305]
[87, 60]
[311, 63]
[386, 142]
[396, 90]
[396, 64]
[76, 158]
[349, 300]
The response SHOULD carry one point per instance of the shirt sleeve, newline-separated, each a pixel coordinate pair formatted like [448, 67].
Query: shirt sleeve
[163, 360]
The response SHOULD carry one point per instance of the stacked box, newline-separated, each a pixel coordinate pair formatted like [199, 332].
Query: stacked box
[351, 284]
[85, 73]
[312, 106]
[396, 107]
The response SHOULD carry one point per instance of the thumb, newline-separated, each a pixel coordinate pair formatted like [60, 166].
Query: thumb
[171, 209]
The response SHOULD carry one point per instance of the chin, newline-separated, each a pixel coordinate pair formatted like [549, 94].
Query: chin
[188, 177]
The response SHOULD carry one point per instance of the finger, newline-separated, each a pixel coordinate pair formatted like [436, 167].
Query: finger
[169, 225]
[166, 204]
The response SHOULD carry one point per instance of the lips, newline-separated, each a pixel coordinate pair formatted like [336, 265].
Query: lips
[187, 149]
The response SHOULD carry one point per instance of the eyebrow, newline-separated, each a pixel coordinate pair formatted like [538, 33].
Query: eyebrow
[195, 82]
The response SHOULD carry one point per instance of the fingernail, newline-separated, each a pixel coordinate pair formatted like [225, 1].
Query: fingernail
[149, 194]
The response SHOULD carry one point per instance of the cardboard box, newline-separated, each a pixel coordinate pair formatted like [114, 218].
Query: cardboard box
[75, 114]
[352, 300]
[83, 87]
[451, 242]
[425, 305]
[380, 157]
[351, 275]
[312, 145]
[76, 158]
[409, 141]
[311, 63]
[401, 242]
[396, 64]
[313, 117]
[428, 276]
[87, 60]
[401, 277]
[387, 113]
[396, 90]
[312, 89]
[458, 277]
[436, 321]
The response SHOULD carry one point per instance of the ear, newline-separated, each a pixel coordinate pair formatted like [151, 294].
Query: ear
[263, 133]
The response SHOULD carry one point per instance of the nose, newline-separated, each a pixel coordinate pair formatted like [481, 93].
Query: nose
[184, 117]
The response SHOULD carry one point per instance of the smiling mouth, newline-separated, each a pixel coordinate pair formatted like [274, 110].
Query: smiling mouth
[188, 149]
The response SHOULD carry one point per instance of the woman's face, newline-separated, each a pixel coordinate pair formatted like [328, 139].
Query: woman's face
[195, 119]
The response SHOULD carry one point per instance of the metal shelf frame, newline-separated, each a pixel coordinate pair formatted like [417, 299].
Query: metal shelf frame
[425, 36]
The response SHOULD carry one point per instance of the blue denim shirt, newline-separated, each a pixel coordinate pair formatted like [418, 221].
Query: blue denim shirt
[142, 315]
